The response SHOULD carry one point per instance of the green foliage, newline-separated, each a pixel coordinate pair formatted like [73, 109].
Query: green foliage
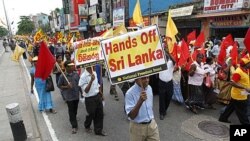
[25, 26]
[3, 31]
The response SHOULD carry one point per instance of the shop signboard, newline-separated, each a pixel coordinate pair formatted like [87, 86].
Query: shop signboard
[66, 6]
[183, 11]
[222, 5]
[93, 2]
[92, 10]
[83, 9]
[118, 17]
[229, 21]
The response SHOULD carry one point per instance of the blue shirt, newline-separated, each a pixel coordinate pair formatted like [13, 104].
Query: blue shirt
[132, 96]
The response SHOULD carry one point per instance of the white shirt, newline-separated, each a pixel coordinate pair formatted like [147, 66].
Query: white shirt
[211, 70]
[167, 75]
[198, 76]
[84, 81]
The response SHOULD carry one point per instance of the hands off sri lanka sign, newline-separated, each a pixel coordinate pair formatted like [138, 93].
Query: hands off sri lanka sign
[133, 55]
[222, 5]
[88, 52]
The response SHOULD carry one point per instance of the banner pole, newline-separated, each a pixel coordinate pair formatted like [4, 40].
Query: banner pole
[58, 67]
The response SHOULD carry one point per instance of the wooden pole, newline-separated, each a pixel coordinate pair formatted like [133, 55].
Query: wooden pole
[58, 67]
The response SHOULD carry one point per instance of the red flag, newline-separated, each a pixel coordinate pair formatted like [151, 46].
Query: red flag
[200, 40]
[194, 55]
[45, 63]
[184, 53]
[191, 36]
[247, 40]
[234, 54]
[224, 45]
[228, 41]
[174, 53]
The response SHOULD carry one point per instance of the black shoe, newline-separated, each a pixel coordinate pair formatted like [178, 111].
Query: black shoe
[102, 134]
[226, 121]
[161, 117]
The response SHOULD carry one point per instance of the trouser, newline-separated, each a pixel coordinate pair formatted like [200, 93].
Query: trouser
[240, 107]
[144, 132]
[165, 95]
[94, 108]
[184, 85]
[72, 110]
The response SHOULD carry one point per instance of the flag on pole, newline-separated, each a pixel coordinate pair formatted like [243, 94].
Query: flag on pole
[200, 40]
[191, 36]
[228, 41]
[171, 31]
[120, 30]
[247, 40]
[234, 54]
[17, 53]
[45, 63]
[184, 53]
[108, 33]
[137, 16]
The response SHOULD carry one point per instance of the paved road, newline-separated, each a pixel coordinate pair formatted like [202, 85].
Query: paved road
[180, 124]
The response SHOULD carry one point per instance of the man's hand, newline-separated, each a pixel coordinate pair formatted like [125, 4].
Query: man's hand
[92, 77]
[69, 86]
[248, 90]
[143, 96]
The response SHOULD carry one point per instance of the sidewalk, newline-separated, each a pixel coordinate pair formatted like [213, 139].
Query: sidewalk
[13, 86]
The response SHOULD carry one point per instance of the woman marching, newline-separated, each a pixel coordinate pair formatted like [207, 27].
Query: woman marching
[45, 99]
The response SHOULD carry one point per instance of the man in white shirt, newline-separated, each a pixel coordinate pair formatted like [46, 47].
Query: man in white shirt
[166, 87]
[93, 101]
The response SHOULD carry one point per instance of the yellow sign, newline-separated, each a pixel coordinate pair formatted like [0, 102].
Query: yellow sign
[135, 54]
[88, 52]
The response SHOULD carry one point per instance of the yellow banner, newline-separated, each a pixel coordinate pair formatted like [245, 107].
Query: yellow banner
[88, 52]
[134, 54]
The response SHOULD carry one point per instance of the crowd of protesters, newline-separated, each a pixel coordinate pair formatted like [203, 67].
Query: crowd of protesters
[198, 84]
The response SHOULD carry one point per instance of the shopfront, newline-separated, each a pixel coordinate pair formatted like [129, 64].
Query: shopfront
[221, 18]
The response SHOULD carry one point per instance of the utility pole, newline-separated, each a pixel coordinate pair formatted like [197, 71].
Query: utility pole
[7, 20]
[149, 3]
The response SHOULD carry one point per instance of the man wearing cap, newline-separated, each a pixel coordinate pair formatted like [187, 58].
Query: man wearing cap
[239, 91]
[70, 91]
[93, 101]
[139, 108]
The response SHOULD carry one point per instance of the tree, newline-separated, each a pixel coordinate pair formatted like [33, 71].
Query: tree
[3, 31]
[25, 26]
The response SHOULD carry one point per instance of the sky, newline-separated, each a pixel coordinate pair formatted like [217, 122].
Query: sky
[17, 8]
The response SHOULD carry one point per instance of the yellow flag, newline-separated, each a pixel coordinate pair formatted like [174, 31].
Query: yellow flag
[108, 33]
[171, 31]
[17, 53]
[137, 16]
[120, 30]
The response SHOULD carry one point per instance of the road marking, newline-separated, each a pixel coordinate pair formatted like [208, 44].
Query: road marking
[45, 116]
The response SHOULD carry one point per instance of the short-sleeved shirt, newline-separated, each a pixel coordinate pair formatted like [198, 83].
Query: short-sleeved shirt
[72, 93]
[84, 81]
[132, 96]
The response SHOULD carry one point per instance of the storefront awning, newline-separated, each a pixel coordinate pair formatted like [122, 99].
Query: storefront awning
[221, 14]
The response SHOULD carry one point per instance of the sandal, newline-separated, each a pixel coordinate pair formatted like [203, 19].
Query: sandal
[53, 111]
[74, 131]
[88, 130]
